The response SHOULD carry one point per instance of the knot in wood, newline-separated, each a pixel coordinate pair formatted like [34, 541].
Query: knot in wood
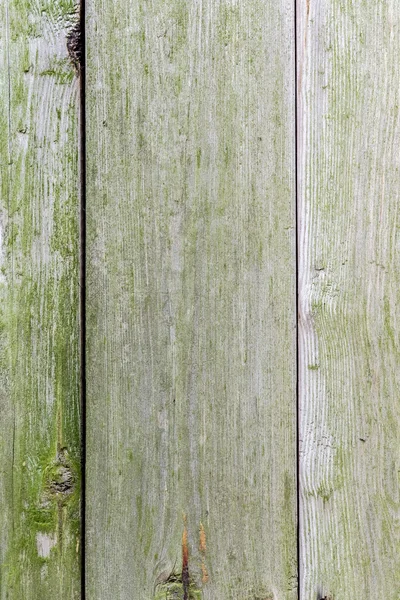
[74, 45]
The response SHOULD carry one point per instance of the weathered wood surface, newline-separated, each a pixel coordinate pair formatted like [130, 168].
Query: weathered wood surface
[349, 284]
[191, 408]
[39, 291]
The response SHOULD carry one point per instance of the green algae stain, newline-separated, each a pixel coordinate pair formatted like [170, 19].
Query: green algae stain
[313, 367]
[61, 70]
[173, 589]
[39, 315]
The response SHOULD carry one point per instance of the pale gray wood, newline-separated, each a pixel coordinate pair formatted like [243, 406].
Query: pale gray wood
[349, 285]
[191, 365]
[39, 328]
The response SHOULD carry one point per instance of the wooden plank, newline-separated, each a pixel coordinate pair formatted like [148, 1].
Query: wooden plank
[349, 186]
[191, 459]
[39, 293]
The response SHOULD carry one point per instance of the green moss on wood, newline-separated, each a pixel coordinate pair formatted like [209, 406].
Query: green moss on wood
[39, 289]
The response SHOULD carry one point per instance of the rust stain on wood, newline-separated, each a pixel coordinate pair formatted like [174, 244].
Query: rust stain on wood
[185, 562]
[203, 542]
[204, 573]
[203, 548]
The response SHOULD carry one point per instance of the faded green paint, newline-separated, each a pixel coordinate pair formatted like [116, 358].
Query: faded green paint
[39, 300]
[349, 256]
[191, 298]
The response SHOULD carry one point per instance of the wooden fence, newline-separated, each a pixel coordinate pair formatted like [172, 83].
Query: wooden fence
[200, 300]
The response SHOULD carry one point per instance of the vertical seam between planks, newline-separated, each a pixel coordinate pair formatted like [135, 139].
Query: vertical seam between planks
[82, 149]
[297, 236]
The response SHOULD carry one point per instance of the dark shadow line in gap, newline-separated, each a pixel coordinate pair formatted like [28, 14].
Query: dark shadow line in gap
[82, 158]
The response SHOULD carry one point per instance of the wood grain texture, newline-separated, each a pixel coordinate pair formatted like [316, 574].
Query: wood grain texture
[191, 460]
[39, 321]
[349, 192]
